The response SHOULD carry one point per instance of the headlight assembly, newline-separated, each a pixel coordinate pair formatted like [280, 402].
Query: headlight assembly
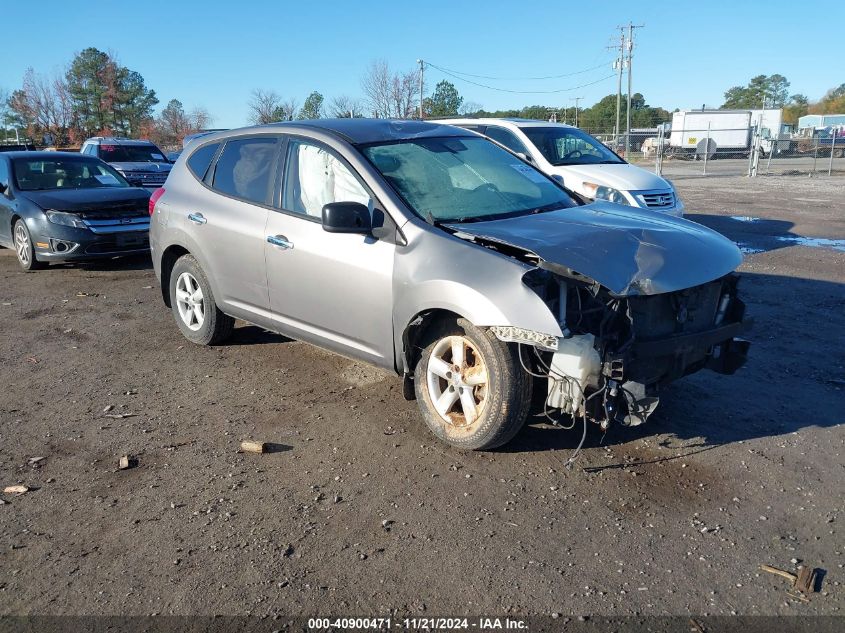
[65, 219]
[600, 192]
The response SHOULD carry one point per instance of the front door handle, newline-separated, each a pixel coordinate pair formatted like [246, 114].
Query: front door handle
[197, 218]
[279, 240]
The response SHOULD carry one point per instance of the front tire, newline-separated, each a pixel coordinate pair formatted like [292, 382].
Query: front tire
[470, 387]
[24, 247]
[194, 307]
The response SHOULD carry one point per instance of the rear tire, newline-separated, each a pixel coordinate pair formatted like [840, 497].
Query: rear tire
[471, 389]
[193, 304]
[24, 248]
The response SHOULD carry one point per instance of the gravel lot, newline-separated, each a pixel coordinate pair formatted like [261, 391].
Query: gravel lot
[360, 511]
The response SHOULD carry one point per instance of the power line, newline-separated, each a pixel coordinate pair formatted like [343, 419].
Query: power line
[579, 72]
[521, 92]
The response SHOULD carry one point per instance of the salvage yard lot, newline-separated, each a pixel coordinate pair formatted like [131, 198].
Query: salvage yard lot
[360, 511]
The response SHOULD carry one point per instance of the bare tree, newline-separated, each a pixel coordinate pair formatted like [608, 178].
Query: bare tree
[199, 119]
[287, 109]
[344, 107]
[389, 94]
[264, 106]
[43, 107]
[469, 107]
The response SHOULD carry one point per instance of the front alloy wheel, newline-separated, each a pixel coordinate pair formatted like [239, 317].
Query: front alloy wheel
[24, 248]
[457, 378]
[470, 387]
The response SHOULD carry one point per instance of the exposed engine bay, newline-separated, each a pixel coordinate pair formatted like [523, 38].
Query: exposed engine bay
[617, 352]
[641, 301]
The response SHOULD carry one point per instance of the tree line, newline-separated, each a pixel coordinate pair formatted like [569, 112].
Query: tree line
[96, 95]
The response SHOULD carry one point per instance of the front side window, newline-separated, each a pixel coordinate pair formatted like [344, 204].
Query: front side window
[315, 177]
[570, 146]
[147, 153]
[464, 179]
[65, 173]
[4, 174]
[506, 138]
[244, 169]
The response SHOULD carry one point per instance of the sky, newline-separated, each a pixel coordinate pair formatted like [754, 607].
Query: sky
[212, 54]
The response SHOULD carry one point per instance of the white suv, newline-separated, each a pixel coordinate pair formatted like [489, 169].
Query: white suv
[582, 163]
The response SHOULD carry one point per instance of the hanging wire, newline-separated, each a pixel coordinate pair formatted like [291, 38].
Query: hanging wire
[521, 92]
[577, 72]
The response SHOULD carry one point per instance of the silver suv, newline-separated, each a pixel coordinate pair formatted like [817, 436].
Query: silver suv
[433, 252]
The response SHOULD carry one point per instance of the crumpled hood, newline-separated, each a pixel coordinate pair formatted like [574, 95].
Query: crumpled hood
[623, 176]
[142, 166]
[626, 250]
[76, 200]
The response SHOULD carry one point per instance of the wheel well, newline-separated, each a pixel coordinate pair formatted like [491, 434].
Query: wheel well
[168, 260]
[15, 218]
[414, 336]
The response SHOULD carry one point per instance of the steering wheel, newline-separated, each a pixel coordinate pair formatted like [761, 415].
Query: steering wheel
[487, 186]
[573, 153]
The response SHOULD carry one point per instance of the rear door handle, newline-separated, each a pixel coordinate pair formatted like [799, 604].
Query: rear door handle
[197, 218]
[279, 240]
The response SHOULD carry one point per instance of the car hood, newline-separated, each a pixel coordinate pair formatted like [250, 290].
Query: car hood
[621, 176]
[90, 200]
[142, 166]
[627, 251]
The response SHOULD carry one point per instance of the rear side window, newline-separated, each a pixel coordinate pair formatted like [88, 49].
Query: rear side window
[244, 169]
[200, 160]
[506, 138]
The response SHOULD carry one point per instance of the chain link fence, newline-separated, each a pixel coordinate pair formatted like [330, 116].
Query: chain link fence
[730, 151]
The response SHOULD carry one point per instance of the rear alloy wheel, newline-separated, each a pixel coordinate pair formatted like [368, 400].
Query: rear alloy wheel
[24, 248]
[472, 392]
[194, 308]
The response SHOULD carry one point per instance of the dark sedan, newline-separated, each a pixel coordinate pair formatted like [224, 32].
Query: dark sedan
[57, 206]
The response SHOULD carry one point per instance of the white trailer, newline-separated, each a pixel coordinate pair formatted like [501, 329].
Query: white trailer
[728, 130]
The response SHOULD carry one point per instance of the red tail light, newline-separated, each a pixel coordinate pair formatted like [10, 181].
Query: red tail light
[158, 193]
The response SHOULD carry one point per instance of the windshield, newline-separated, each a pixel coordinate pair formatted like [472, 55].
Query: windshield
[569, 146]
[64, 173]
[131, 154]
[464, 179]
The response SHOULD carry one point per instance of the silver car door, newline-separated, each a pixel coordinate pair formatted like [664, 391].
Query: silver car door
[228, 223]
[331, 289]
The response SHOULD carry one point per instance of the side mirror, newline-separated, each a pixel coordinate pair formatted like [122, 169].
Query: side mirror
[4, 190]
[347, 217]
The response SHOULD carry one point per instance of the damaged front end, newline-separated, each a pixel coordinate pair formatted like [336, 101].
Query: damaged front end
[617, 351]
[641, 300]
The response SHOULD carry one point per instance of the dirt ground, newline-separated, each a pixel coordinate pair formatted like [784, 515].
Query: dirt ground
[360, 511]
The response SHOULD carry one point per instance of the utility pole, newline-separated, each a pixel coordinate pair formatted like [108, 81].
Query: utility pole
[576, 100]
[630, 46]
[422, 71]
[619, 64]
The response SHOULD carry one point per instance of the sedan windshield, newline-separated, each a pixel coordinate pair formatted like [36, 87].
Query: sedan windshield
[464, 179]
[569, 146]
[132, 154]
[64, 173]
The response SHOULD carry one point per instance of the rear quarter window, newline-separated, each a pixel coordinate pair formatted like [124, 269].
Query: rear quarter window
[200, 160]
